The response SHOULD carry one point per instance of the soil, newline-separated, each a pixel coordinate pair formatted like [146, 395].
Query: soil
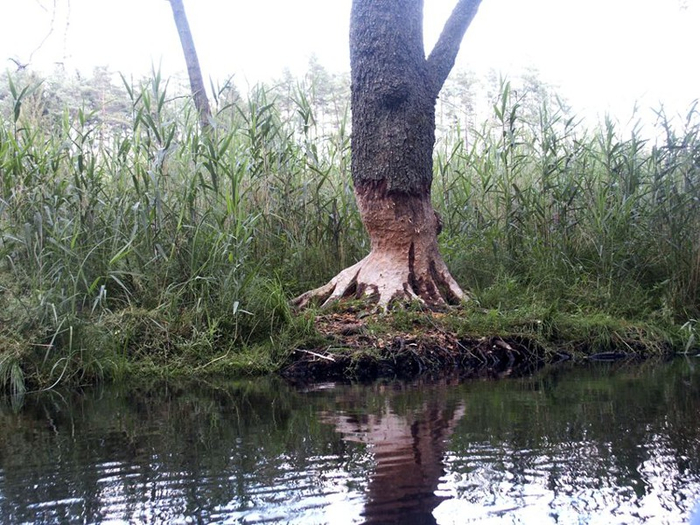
[360, 348]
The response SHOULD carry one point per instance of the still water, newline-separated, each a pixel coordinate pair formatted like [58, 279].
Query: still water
[606, 444]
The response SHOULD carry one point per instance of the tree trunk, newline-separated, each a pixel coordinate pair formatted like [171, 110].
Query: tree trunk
[393, 95]
[194, 72]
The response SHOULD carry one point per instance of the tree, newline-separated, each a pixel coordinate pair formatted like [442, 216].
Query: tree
[393, 94]
[194, 72]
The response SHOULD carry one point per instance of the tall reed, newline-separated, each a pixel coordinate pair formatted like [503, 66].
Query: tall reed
[140, 239]
[587, 216]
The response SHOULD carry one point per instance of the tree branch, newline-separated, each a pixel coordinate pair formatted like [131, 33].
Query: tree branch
[199, 94]
[442, 58]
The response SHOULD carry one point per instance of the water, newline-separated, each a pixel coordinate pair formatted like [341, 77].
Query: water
[608, 444]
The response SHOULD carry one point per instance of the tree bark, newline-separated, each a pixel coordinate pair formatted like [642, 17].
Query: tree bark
[194, 72]
[393, 95]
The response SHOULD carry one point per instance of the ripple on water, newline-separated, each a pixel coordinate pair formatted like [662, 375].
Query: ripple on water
[565, 483]
[323, 492]
[168, 464]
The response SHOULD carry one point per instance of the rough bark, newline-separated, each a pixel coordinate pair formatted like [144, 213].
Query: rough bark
[194, 72]
[393, 94]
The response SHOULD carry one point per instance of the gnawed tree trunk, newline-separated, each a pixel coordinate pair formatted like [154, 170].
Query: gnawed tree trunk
[194, 72]
[394, 91]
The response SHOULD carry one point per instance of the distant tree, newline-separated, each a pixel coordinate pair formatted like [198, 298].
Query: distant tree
[194, 72]
[103, 103]
[328, 94]
[456, 107]
[394, 88]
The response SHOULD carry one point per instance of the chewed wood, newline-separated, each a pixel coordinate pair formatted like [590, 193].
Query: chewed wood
[404, 264]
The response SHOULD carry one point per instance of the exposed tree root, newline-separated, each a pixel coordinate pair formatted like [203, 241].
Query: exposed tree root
[404, 264]
[384, 280]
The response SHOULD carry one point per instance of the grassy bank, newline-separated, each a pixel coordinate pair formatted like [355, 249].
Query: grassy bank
[130, 243]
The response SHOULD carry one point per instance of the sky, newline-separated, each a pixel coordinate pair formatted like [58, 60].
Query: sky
[604, 56]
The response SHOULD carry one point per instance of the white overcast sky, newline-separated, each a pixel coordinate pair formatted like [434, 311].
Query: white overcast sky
[604, 55]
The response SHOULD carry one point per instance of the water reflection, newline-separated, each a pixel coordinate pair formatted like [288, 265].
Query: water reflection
[566, 446]
[408, 451]
[592, 448]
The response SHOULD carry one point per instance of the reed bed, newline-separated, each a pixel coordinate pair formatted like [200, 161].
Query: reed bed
[130, 240]
[589, 218]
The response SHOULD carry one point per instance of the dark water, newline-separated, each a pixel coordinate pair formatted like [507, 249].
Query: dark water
[606, 445]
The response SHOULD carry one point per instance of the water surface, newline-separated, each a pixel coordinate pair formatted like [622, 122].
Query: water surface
[602, 444]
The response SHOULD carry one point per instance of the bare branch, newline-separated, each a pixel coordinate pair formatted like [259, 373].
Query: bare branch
[194, 72]
[442, 58]
[50, 32]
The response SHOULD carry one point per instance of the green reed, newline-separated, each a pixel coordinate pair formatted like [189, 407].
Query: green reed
[592, 217]
[135, 238]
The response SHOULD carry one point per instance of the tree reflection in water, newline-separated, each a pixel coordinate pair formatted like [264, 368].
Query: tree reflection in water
[408, 450]
[598, 444]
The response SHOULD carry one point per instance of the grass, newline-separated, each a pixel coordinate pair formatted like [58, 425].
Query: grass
[130, 243]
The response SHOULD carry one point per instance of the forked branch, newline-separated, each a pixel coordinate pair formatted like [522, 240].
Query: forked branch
[443, 56]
